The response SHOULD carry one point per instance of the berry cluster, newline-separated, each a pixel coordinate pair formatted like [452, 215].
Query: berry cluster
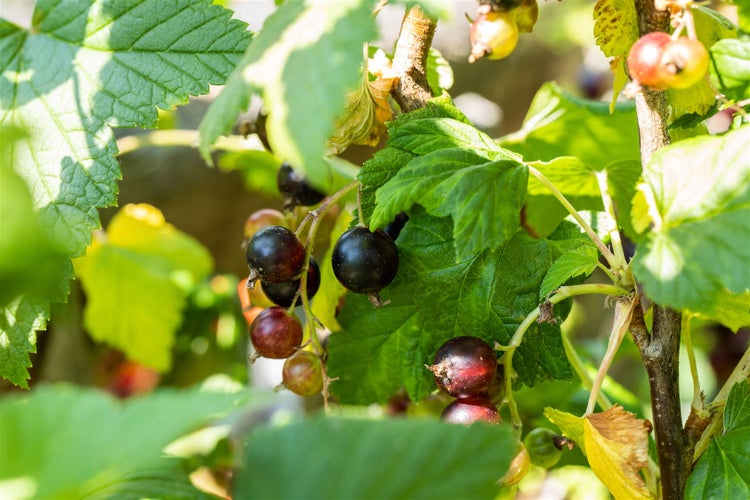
[660, 61]
[363, 261]
[465, 368]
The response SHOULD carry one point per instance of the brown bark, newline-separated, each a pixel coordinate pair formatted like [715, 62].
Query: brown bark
[660, 350]
[410, 60]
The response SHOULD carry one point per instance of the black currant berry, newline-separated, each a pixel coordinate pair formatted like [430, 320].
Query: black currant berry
[464, 367]
[363, 261]
[284, 292]
[274, 254]
[303, 373]
[295, 189]
[469, 410]
[393, 229]
[276, 334]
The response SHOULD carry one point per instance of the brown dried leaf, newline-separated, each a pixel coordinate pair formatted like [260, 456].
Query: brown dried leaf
[617, 448]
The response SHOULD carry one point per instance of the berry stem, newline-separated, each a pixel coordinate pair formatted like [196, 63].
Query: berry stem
[613, 262]
[562, 293]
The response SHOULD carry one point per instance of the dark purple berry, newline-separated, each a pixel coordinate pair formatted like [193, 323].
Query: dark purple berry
[276, 334]
[464, 367]
[295, 189]
[393, 229]
[469, 410]
[303, 373]
[274, 254]
[283, 293]
[363, 261]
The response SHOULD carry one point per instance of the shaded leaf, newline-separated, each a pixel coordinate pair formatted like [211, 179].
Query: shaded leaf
[97, 438]
[293, 75]
[374, 459]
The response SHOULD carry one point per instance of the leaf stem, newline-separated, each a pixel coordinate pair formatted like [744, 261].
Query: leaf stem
[562, 293]
[610, 258]
[577, 363]
[623, 314]
[614, 235]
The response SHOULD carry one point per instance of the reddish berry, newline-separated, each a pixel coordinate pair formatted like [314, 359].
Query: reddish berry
[469, 410]
[645, 60]
[276, 334]
[464, 367]
[685, 63]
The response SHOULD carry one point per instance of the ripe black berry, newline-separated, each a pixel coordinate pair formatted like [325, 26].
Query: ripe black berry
[303, 374]
[363, 261]
[274, 254]
[284, 292]
[393, 229]
[295, 189]
[276, 334]
[469, 410]
[464, 367]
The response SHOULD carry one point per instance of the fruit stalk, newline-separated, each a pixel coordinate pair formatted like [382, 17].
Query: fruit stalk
[410, 61]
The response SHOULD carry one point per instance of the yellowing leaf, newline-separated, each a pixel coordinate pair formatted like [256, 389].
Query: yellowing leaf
[570, 425]
[615, 26]
[617, 448]
[135, 278]
[363, 120]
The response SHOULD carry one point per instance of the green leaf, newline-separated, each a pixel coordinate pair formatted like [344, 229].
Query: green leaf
[164, 483]
[599, 138]
[374, 459]
[388, 161]
[730, 71]
[82, 68]
[144, 262]
[700, 246]
[723, 470]
[615, 27]
[483, 197]
[434, 298]
[730, 309]
[64, 442]
[439, 72]
[575, 262]
[293, 74]
[257, 168]
[19, 322]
